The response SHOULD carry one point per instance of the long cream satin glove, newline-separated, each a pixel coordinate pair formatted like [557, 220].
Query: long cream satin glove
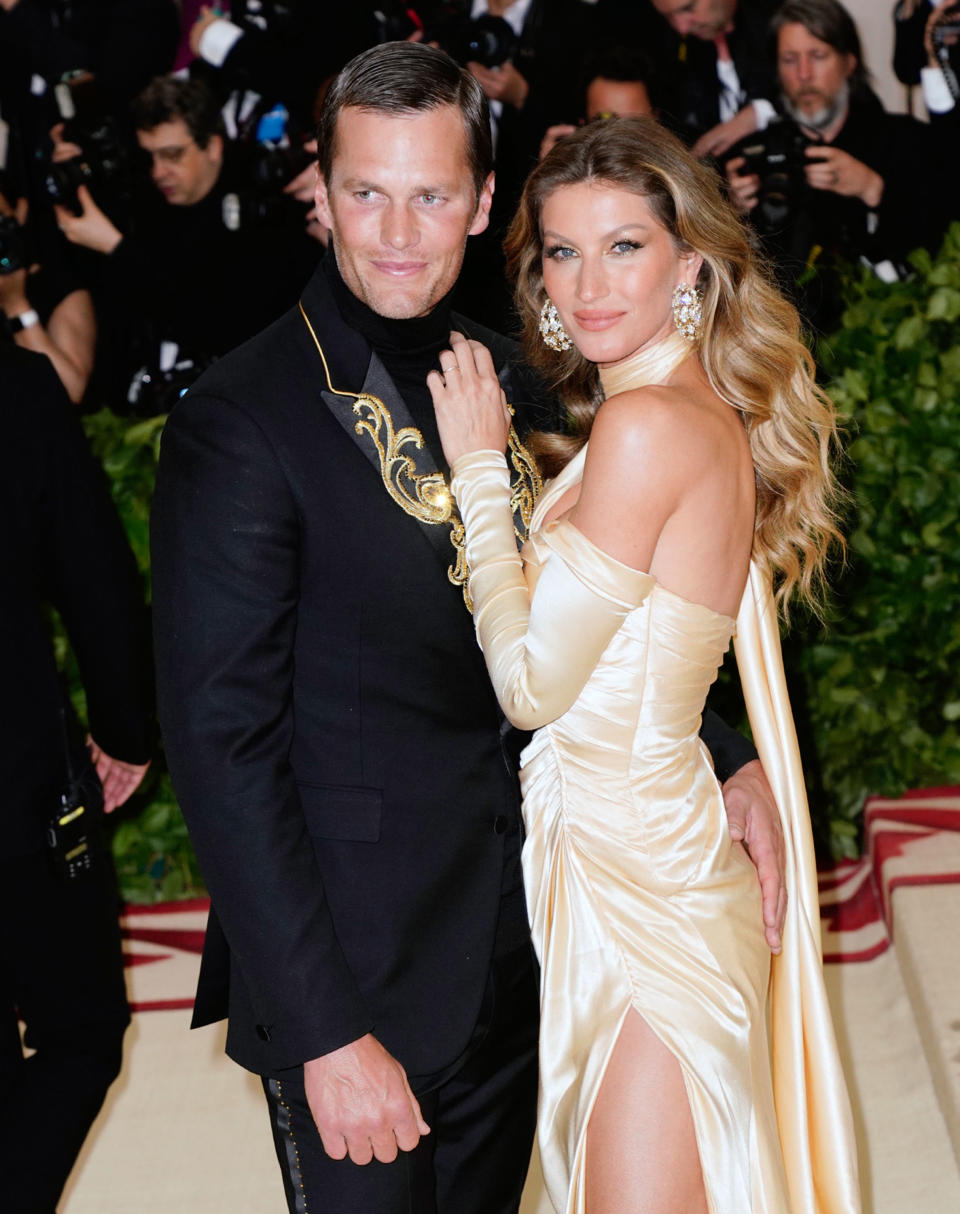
[540, 645]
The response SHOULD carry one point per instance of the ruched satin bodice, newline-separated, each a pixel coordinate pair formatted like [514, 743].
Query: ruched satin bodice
[638, 898]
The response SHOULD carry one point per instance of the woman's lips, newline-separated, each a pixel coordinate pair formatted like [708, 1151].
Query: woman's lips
[594, 322]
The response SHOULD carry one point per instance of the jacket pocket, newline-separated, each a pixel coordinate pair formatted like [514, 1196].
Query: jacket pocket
[350, 814]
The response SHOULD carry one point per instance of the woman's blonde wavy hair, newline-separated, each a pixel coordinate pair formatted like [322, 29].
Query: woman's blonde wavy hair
[750, 345]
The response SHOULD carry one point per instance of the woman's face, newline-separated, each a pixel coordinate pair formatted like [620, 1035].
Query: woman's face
[610, 268]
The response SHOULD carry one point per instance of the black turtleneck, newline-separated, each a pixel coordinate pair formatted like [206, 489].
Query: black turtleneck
[407, 348]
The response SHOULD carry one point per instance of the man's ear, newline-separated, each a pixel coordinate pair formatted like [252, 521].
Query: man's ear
[481, 216]
[850, 64]
[321, 198]
[215, 148]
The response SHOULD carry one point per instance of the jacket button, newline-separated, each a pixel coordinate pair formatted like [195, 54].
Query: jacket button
[499, 824]
[263, 1032]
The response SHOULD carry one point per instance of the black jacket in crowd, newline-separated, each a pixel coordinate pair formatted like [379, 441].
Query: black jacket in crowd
[61, 543]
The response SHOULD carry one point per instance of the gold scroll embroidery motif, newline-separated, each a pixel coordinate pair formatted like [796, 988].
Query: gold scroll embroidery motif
[425, 495]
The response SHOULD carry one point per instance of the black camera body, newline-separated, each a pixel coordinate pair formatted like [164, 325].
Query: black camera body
[106, 159]
[156, 388]
[486, 40]
[778, 157]
[13, 245]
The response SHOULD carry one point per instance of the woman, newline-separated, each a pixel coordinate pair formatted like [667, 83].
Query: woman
[706, 473]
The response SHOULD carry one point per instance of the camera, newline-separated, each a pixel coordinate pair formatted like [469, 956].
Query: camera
[268, 164]
[486, 40]
[777, 156]
[13, 245]
[106, 158]
[156, 387]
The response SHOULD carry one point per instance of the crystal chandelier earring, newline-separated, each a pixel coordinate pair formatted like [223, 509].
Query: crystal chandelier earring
[688, 310]
[551, 328]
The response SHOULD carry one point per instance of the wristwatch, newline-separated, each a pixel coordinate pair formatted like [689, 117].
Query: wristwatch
[23, 320]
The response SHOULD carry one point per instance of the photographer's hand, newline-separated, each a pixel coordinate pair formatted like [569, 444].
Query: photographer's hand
[552, 135]
[725, 134]
[91, 228]
[943, 11]
[503, 83]
[838, 171]
[120, 780]
[63, 149]
[744, 187]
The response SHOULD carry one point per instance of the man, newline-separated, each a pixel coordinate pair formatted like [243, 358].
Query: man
[868, 188]
[720, 81]
[331, 732]
[617, 84]
[61, 969]
[194, 273]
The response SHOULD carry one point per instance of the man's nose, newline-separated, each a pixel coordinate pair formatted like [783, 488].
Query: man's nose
[805, 68]
[399, 229]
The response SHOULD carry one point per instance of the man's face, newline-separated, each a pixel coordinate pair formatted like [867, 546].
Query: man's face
[702, 18]
[813, 76]
[622, 98]
[182, 171]
[400, 203]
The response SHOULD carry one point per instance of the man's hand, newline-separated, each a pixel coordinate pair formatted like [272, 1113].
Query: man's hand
[120, 780]
[503, 83]
[754, 820]
[944, 11]
[362, 1103]
[725, 134]
[553, 134]
[91, 228]
[205, 18]
[303, 187]
[832, 169]
[744, 187]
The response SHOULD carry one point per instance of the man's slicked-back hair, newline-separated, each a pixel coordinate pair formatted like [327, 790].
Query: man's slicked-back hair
[404, 78]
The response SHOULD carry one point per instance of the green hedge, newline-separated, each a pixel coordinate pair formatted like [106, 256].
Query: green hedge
[875, 691]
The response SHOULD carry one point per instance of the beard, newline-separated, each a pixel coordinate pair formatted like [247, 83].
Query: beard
[823, 118]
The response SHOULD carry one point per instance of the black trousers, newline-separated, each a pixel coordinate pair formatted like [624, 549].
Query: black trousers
[61, 968]
[482, 1119]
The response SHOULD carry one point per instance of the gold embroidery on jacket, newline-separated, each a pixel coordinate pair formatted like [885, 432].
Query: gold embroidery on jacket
[425, 495]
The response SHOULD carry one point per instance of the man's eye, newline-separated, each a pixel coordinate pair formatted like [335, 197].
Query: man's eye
[363, 195]
[431, 199]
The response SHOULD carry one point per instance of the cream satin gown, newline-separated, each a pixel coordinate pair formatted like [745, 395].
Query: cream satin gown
[637, 896]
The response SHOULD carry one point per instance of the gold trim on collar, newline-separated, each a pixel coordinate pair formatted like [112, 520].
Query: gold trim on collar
[425, 495]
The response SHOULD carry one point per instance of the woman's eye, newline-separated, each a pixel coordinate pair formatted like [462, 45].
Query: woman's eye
[558, 252]
[626, 246]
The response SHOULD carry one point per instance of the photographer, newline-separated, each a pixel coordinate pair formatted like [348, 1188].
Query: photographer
[208, 259]
[617, 83]
[927, 52]
[720, 85]
[123, 43]
[281, 50]
[840, 178]
[44, 310]
[61, 969]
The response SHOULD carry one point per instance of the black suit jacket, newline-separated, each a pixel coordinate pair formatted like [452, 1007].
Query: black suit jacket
[328, 721]
[61, 542]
